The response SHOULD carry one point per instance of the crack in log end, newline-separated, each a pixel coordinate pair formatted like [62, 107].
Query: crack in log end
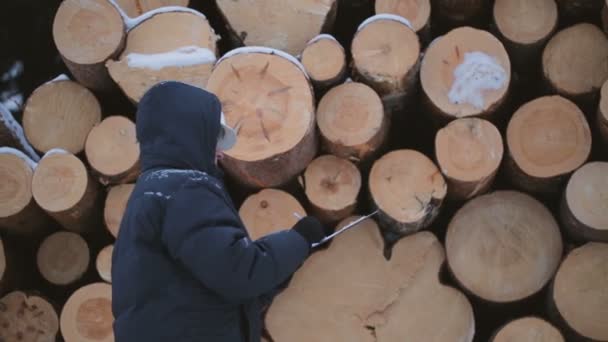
[278, 91]
[457, 51]
[445, 62]
[236, 72]
[260, 115]
[372, 331]
[264, 70]
[140, 9]
[238, 125]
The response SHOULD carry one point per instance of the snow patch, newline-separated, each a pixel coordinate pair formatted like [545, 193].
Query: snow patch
[15, 71]
[9, 150]
[13, 101]
[320, 37]
[156, 194]
[130, 23]
[477, 73]
[265, 50]
[385, 16]
[62, 77]
[55, 151]
[181, 57]
[7, 119]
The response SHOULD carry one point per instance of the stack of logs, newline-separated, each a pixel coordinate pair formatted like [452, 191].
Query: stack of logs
[478, 129]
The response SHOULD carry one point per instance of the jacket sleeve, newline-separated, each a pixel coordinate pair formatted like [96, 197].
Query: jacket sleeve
[202, 232]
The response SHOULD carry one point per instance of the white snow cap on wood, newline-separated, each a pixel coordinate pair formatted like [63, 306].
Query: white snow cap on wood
[477, 73]
[55, 151]
[266, 50]
[385, 16]
[181, 57]
[62, 77]
[9, 150]
[130, 23]
[17, 131]
[15, 71]
[321, 36]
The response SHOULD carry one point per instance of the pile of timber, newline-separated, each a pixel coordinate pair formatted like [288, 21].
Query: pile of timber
[477, 129]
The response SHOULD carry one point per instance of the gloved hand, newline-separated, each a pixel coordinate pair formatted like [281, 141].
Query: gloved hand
[311, 229]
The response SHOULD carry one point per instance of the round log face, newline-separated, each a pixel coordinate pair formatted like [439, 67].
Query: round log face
[63, 258]
[368, 298]
[525, 21]
[549, 137]
[324, 59]
[59, 182]
[270, 211]
[503, 247]
[417, 12]
[104, 263]
[579, 290]
[111, 147]
[87, 315]
[587, 194]
[115, 206]
[466, 73]
[87, 32]
[528, 329]
[574, 60]
[27, 318]
[60, 115]
[16, 185]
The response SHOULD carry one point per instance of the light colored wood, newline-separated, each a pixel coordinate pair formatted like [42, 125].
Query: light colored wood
[63, 258]
[19, 213]
[135, 8]
[503, 247]
[332, 185]
[584, 210]
[458, 12]
[62, 187]
[385, 56]
[60, 114]
[268, 99]
[574, 61]
[352, 122]
[113, 151]
[87, 33]
[278, 24]
[27, 319]
[528, 329]
[468, 152]
[180, 32]
[408, 189]
[465, 73]
[87, 315]
[547, 139]
[115, 206]
[360, 296]
[269, 211]
[324, 59]
[579, 291]
[103, 263]
[525, 26]
[417, 12]
[602, 114]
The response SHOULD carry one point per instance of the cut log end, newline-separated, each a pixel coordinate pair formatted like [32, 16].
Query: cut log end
[332, 186]
[371, 298]
[27, 318]
[268, 99]
[385, 55]
[177, 46]
[135, 8]
[63, 258]
[113, 151]
[103, 263]
[408, 188]
[528, 329]
[585, 214]
[515, 251]
[417, 12]
[325, 61]
[602, 115]
[87, 34]
[525, 22]
[270, 211]
[65, 106]
[115, 206]
[547, 138]
[469, 152]
[87, 315]
[352, 121]
[579, 291]
[585, 47]
[466, 72]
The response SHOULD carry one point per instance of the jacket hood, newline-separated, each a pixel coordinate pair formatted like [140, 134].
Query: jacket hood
[178, 127]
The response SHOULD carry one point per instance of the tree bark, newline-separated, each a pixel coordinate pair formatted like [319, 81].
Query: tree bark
[454, 13]
[602, 115]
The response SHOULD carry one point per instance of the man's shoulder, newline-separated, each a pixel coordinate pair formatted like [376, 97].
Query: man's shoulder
[178, 179]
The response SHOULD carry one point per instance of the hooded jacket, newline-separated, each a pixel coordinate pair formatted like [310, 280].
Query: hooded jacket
[184, 267]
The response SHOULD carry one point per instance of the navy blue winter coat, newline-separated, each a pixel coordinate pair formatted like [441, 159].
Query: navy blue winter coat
[184, 268]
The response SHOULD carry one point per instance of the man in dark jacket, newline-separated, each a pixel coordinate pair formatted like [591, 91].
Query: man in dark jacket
[184, 268]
